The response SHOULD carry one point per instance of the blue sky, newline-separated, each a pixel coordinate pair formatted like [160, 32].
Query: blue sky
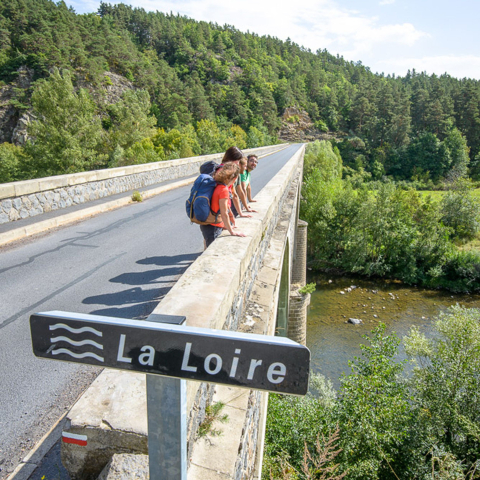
[389, 36]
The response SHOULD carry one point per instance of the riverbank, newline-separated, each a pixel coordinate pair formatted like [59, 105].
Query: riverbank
[333, 341]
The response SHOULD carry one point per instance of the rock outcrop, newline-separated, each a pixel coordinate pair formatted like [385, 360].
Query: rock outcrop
[9, 113]
[14, 121]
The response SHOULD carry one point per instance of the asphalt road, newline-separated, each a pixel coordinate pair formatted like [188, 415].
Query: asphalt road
[120, 264]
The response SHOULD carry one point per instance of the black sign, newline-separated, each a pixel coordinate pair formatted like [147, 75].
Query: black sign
[245, 360]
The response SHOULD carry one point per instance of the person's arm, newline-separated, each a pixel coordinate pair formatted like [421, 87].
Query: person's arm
[249, 194]
[238, 207]
[242, 194]
[223, 203]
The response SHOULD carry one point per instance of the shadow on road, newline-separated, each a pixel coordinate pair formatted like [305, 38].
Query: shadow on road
[138, 302]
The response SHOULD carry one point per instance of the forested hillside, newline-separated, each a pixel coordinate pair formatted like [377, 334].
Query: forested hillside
[126, 86]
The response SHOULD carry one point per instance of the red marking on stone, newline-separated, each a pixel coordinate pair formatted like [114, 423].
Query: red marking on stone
[74, 439]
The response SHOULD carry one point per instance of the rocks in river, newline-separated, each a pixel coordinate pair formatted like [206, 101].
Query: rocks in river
[355, 321]
[348, 289]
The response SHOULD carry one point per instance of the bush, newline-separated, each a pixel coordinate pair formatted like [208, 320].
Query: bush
[446, 382]
[293, 422]
[461, 211]
[10, 162]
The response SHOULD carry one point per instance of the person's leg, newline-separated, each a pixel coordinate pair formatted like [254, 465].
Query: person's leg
[217, 232]
[208, 232]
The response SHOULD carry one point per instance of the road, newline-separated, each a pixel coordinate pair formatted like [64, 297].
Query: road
[120, 264]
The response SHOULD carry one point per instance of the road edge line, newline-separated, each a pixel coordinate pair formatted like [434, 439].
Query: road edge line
[34, 458]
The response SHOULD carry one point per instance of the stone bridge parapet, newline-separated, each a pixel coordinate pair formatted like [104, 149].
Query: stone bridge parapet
[241, 284]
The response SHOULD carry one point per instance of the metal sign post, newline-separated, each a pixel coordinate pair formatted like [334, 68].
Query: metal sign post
[167, 421]
[171, 353]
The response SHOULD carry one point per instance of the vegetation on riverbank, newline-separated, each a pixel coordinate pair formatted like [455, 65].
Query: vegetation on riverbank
[382, 229]
[384, 423]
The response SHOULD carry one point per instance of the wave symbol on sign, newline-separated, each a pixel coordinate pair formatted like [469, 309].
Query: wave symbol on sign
[76, 343]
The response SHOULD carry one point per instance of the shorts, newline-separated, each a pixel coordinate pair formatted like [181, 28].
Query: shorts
[210, 233]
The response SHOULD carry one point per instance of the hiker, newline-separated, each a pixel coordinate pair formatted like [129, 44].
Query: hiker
[233, 154]
[236, 206]
[243, 188]
[225, 176]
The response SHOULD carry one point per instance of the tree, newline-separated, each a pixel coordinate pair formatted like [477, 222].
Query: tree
[447, 381]
[374, 410]
[458, 151]
[10, 162]
[128, 120]
[209, 136]
[66, 134]
[461, 211]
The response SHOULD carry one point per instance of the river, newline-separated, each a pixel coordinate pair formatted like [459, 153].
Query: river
[333, 341]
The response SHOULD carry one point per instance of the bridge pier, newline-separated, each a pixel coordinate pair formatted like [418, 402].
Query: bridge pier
[297, 313]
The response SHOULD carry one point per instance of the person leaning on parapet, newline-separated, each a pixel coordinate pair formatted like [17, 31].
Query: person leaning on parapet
[224, 175]
[232, 155]
[243, 188]
[236, 206]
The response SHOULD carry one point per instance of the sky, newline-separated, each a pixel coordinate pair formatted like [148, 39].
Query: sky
[389, 36]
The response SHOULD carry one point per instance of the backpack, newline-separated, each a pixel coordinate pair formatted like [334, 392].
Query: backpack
[208, 167]
[198, 203]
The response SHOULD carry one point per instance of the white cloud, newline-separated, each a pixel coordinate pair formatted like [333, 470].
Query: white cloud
[386, 2]
[459, 66]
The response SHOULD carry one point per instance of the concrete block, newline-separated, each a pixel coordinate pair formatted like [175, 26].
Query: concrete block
[51, 183]
[26, 187]
[220, 453]
[126, 467]
[112, 414]
[82, 177]
[7, 190]
[196, 472]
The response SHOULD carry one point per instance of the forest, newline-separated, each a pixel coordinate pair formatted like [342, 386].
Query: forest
[196, 87]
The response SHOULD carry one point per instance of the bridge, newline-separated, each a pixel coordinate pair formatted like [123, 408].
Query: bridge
[242, 284]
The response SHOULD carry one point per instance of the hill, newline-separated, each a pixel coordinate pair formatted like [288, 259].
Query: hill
[212, 85]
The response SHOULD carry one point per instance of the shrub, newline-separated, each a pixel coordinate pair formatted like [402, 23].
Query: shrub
[446, 381]
[461, 211]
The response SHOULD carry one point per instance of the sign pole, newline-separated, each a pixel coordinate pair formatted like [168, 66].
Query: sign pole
[167, 428]
[167, 421]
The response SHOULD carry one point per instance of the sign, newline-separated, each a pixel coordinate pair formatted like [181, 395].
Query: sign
[238, 359]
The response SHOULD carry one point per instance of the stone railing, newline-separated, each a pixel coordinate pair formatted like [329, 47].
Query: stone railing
[233, 285]
[30, 198]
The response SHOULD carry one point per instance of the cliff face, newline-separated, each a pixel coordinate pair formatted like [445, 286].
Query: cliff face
[10, 114]
[297, 126]
[14, 120]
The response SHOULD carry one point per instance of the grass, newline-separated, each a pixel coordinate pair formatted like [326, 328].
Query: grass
[438, 194]
[212, 413]
[471, 245]
[137, 196]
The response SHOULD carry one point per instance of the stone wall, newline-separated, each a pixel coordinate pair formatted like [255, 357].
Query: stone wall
[29, 198]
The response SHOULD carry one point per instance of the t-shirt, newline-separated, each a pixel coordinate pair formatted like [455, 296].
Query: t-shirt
[245, 177]
[221, 191]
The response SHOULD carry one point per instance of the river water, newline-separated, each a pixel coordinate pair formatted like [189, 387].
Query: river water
[333, 341]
